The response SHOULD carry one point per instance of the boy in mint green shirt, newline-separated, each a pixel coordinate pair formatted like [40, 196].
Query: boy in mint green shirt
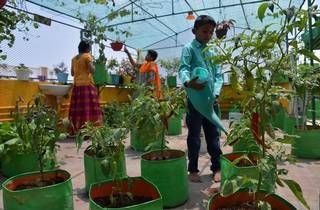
[193, 56]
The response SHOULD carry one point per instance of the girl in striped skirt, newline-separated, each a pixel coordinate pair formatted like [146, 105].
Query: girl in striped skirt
[84, 104]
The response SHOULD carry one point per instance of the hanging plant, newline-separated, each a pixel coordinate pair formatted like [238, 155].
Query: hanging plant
[223, 27]
[2, 3]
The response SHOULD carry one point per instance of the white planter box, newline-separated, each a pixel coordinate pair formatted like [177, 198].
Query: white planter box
[22, 75]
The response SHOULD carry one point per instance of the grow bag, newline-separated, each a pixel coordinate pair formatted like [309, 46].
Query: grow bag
[276, 202]
[100, 75]
[169, 175]
[54, 197]
[13, 164]
[142, 137]
[308, 145]
[138, 187]
[229, 171]
[172, 81]
[93, 171]
[174, 125]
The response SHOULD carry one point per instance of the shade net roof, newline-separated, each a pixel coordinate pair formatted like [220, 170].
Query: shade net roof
[162, 24]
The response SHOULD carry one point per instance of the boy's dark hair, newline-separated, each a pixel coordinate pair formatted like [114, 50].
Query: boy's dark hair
[84, 46]
[153, 54]
[203, 20]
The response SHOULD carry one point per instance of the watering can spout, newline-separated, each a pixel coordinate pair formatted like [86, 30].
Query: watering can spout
[203, 100]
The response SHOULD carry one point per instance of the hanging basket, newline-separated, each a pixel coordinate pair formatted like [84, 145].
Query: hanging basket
[116, 46]
[2, 3]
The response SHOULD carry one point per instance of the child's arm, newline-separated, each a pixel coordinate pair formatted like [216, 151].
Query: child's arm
[133, 63]
[185, 71]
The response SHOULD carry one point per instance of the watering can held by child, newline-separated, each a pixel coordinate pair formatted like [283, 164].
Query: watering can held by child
[203, 100]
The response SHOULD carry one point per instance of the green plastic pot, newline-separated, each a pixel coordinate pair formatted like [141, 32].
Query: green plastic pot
[169, 175]
[174, 125]
[276, 202]
[53, 197]
[22, 163]
[93, 171]
[230, 171]
[100, 75]
[138, 187]
[172, 81]
[143, 137]
[308, 145]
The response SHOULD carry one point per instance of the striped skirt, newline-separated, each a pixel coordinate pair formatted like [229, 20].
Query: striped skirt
[84, 107]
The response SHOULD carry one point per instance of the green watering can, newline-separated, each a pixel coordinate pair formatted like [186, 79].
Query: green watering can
[203, 100]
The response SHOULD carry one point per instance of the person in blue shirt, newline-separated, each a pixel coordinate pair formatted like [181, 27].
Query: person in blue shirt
[193, 56]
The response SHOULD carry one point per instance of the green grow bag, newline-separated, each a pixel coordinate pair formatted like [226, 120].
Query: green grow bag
[138, 187]
[169, 175]
[93, 171]
[282, 121]
[276, 202]
[14, 164]
[230, 171]
[308, 145]
[100, 75]
[53, 197]
[174, 125]
[280, 78]
[315, 38]
[317, 109]
[142, 137]
[172, 81]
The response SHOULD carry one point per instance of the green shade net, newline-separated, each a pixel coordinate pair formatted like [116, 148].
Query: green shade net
[162, 25]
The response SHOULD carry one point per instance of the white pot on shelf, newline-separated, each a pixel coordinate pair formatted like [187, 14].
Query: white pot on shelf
[22, 75]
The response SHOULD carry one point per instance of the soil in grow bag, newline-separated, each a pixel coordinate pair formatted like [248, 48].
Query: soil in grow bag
[30, 182]
[39, 183]
[121, 200]
[162, 155]
[240, 206]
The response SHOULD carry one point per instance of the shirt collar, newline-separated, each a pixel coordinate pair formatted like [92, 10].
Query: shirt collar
[197, 44]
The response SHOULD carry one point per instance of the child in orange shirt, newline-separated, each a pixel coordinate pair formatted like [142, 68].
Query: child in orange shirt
[84, 104]
[149, 71]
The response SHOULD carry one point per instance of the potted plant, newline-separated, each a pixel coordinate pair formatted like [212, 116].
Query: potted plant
[120, 36]
[223, 27]
[22, 72]
[104, 158]
[306, 85]
[126, 71]
[171, 65]
[61, 73]
[164, 167]
[130, 193]
[255, 59]
[2, 3]
[113, 66]
[37, 133]
[115, 114]
[95, 32]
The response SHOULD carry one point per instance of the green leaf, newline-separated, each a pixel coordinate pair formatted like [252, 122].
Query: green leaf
[229, 187]
[262, 10]
[296, 189]
[309, 54]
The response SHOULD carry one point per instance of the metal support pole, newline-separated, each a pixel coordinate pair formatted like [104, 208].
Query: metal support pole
[313, 102]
